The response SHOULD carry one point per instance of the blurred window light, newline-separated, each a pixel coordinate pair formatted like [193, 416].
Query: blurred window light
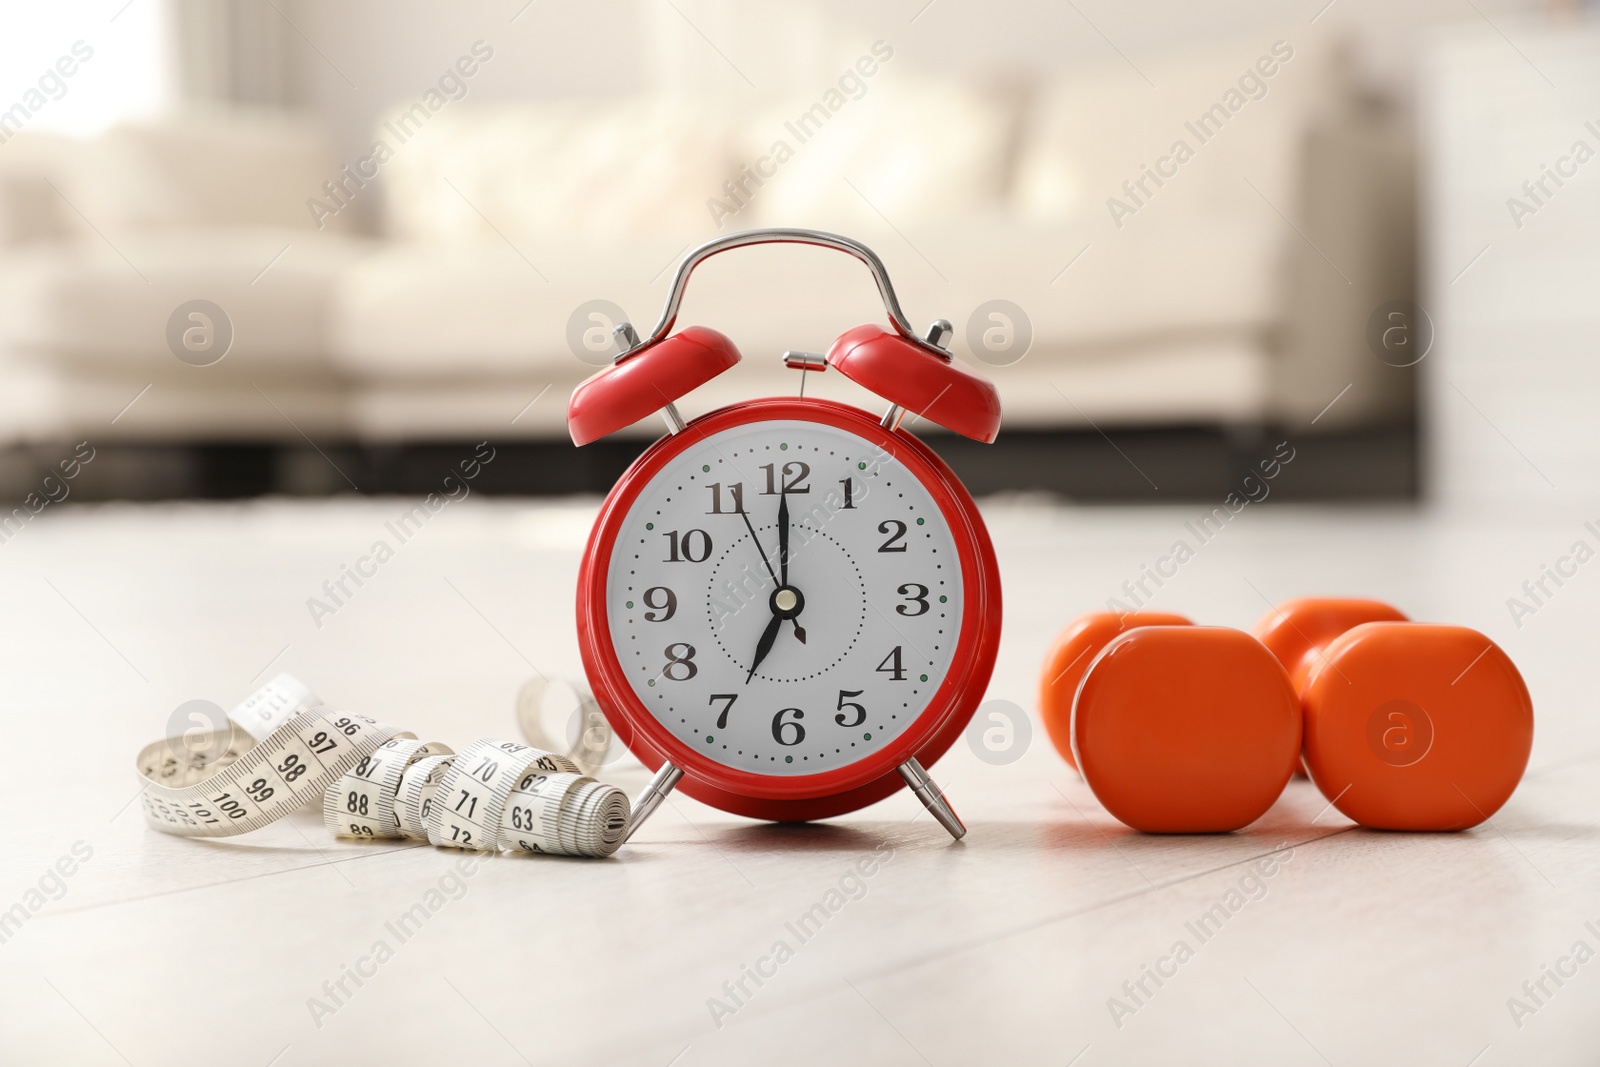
[79, 68]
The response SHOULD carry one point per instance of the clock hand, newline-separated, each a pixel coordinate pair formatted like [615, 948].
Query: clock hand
[768, 636]
[745, 515]
[783, 555]
[783, 537]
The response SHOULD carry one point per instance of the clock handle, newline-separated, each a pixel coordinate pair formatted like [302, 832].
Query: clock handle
[850, 246]
[932, 797]
[654, 793]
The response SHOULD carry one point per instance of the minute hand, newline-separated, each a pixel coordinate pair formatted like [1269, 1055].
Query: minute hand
[748, 525]
[783, 554]
[783, 537]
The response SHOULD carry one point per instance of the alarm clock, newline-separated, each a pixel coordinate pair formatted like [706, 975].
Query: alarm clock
[788, 608]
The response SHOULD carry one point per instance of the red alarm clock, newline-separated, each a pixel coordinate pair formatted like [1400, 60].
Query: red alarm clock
[788, 607]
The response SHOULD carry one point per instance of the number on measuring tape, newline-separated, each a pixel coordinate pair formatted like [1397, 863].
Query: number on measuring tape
[417, 789]
[374, 782]
[467, 805]
[293, 766]
[564, 814]
[363, 804]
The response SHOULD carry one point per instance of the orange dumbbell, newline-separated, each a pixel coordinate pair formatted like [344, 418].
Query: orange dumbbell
[1408, 725]
[1298, 641]
[1176, 728]
[1069, 658]
[1298, 630]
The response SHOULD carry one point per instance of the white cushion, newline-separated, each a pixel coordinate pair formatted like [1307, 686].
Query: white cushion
[1189, 276]
[1097, 128]
[479, 308]
[205, 167]
[557, 169]
[909, 150]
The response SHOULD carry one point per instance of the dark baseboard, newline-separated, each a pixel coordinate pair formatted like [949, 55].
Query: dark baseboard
[1191, 464]
[1139, 466]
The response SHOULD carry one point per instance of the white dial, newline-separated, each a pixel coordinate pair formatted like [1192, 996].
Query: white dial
[784, 667]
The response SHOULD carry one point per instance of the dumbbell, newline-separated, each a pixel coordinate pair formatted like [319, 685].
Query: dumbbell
[1408, 725]
[1297, 631]
[1298, 643]
[1069, 658]
[1177, 728]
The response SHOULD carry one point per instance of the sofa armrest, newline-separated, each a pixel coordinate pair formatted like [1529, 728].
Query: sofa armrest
[30, 210]
[1358, 215]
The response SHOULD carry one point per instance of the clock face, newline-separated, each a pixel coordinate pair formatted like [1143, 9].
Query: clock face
[784, 664]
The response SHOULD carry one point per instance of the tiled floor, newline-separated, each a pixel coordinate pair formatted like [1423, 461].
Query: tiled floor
[1031, 942]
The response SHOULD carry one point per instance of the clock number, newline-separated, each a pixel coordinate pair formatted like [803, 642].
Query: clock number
[861, 712]
[849, 494]
[736, 491]
[667, 608]
[919, 598]
[793, 474]
[779, 727]
[893, 666]
[694, 546]
[896, 530]
[675, 659]
[722, 720]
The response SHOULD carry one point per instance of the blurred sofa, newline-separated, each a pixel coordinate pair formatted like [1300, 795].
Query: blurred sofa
[447, 291]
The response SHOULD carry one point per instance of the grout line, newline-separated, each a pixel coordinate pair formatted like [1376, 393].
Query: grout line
[901, 963]
[236, 881]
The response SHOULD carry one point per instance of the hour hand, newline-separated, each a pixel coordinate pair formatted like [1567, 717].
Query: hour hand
[768, 636]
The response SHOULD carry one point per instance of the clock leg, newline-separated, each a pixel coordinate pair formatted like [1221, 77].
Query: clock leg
[932, 797]
[653, 795]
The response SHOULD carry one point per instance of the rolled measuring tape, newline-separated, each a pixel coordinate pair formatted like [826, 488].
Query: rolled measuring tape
[282, 750]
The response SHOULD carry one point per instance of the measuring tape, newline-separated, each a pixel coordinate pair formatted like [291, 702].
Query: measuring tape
[363, 802]
[415, 800]
[282, 750]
